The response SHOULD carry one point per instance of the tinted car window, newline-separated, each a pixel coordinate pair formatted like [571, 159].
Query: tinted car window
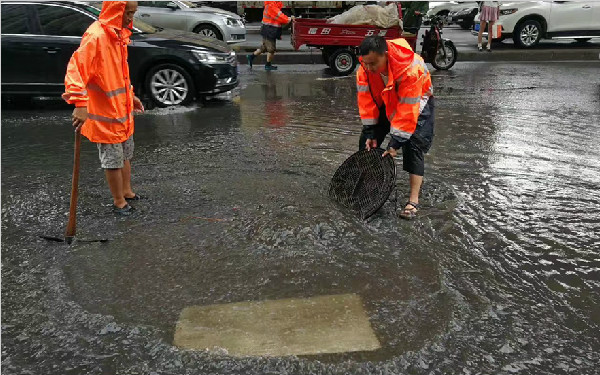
[137, 24]
[155, 4]
[15, 19]
[57, 20]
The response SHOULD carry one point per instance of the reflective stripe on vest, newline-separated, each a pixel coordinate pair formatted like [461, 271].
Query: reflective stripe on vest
[414, 100]
[369, 121]
[400, 133]
[362, 88]
[271, 24]
[109, 94]
[120, 120]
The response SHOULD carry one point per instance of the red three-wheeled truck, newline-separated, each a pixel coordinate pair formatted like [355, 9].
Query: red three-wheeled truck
[338, 42]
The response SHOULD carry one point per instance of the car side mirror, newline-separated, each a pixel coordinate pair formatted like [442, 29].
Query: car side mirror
[171, 5]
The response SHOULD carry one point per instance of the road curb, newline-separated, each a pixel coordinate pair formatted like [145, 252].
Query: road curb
[289, 57]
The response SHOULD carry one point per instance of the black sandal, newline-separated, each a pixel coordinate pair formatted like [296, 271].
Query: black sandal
[408, 214]
[136, 197]
[123, 211]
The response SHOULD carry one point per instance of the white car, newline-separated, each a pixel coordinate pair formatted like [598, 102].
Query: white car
[528, 22]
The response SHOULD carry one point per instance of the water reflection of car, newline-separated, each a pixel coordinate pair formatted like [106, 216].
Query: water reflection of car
[195, 17]
[170, 67]
[529, 22]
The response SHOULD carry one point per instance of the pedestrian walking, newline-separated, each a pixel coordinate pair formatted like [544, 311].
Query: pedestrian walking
[98, 84]
[489, 14]
[395, 96]
[272, 25]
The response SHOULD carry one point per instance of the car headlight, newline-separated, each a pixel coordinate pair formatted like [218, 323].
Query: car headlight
[208, 57]
[234, 22]
[505, 12]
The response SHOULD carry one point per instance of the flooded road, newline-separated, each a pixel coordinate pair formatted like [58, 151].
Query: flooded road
[500, 274]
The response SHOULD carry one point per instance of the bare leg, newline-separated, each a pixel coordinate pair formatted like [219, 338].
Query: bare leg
[415, 187]
[126, 173]
[482, 26]
[114, 177]
[270, 56]
[490, 34]
[410, 210]
[258, 52]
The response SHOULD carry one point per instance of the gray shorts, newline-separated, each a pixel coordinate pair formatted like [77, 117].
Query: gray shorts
[112, 156]
[268, 45]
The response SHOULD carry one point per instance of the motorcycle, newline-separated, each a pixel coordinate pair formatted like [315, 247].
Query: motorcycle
[438, 51]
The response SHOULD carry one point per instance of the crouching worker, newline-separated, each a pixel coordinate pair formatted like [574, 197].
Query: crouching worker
[98, 84]
[395, 96]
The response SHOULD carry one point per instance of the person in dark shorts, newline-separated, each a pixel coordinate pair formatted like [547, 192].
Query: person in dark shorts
[271, 29]
[395, 96]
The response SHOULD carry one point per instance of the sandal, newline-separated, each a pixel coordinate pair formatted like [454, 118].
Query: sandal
[410, 214]
[123, 211]
[136, 197]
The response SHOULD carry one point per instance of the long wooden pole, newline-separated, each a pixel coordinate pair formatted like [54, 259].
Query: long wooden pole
[72, 225]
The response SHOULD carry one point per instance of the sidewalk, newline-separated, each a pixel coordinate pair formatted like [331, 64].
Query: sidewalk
[466, 44]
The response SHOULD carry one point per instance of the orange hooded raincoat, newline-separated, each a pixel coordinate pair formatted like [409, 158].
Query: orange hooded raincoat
[272, 14]
[98, 77]
[405, 95]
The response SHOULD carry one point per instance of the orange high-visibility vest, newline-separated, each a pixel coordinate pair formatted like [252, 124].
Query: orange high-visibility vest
[272, 14]
[405, 95]
[98, 77]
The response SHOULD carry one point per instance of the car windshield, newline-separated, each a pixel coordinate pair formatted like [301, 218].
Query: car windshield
[138, 25]
[189, 4]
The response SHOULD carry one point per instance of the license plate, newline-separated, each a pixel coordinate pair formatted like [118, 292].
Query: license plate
[476, 27]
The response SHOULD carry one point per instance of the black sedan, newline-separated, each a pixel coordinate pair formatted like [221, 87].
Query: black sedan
[465, 17]
[38, 40]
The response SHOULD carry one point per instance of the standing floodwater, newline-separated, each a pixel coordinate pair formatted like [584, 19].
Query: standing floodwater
[499, 274]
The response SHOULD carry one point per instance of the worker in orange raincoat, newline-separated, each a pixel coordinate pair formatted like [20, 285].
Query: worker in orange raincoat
[98, 84]
[271, 29]
[395, 96]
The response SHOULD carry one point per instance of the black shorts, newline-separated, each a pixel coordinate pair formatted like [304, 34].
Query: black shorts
[419, 143]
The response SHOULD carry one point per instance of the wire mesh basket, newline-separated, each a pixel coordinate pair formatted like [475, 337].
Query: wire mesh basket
[364, 182]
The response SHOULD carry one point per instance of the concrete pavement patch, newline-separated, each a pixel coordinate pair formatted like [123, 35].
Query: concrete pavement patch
[295, 326]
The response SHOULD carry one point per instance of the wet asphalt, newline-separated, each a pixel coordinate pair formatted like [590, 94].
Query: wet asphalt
[500, 274]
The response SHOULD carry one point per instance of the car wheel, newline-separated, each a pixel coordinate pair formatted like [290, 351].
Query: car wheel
[169, 84]
[343, 61]
[583, 40]
[528, 34]
[209, 31]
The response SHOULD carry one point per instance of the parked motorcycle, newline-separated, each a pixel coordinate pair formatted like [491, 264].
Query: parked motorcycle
[438, 51]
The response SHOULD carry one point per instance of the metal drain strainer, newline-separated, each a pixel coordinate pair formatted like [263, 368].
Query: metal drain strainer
[364, 182]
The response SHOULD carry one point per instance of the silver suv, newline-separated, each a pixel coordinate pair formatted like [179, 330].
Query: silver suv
[189, 16]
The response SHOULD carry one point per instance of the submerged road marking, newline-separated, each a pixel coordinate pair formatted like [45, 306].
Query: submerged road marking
[295, 326]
